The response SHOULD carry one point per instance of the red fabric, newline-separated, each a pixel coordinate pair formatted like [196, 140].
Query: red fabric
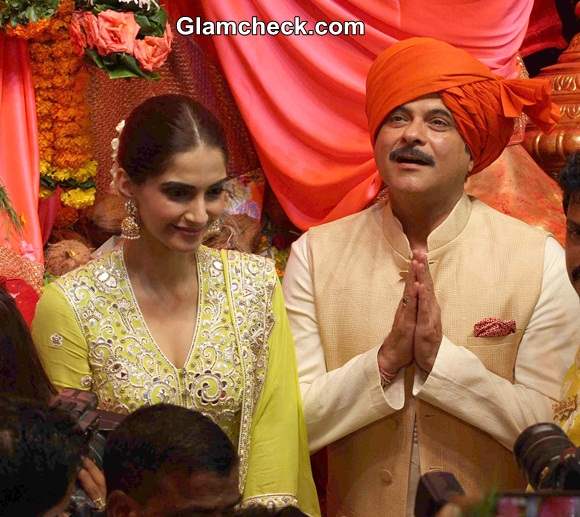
[483, 105]
[544, 30]
[48, 209]
[302, 98]
[24, 296]
[19, 161]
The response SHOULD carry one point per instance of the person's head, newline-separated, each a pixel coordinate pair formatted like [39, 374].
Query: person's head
[169, 461]
[40, 453]
[172, 160]
[21, 372]
[570, 183]
[436, 114]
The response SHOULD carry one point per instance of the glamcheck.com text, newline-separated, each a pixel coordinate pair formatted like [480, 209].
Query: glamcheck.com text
[187, 26]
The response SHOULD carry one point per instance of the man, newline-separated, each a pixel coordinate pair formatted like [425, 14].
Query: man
[432, 330]
[566, 412]
[40, 452]
[169, 461]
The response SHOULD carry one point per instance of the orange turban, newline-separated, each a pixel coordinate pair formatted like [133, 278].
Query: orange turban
[483, 104]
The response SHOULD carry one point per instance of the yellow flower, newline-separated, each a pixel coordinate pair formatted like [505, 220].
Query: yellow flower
[45, 192]
[78, 197]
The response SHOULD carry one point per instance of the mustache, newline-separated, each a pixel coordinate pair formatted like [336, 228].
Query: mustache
[575, 274]
[410, 152]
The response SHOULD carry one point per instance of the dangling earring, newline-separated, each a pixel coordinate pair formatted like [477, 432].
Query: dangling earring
[129, 226]
[214, 228]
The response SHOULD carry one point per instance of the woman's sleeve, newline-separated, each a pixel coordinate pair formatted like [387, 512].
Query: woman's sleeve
[279, 471]
[60, 341]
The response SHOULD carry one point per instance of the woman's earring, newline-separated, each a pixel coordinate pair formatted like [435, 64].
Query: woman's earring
[214, 228]
[129, 226]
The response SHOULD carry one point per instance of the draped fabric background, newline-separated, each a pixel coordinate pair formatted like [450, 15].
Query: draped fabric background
[19, 160]
[302, 98]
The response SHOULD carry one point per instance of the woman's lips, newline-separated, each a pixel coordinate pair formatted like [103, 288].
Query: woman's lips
[189, 231]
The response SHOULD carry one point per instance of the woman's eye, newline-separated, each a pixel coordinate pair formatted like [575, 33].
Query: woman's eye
[178, 194]
[215, 192]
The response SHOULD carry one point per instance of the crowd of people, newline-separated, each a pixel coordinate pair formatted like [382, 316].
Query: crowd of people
[424, 333]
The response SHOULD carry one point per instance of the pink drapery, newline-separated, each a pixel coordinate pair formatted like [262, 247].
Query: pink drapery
[19, 160]
[303, 97]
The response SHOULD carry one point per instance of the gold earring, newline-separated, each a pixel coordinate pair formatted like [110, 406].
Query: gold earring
[214, 228]
[130, 226]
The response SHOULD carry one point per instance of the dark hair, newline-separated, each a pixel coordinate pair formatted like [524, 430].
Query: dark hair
[157, 440]
[162, 127]
[21, 371]
[40, 452]
[569, 179]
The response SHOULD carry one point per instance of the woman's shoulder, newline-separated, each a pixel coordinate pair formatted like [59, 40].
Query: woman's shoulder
[255, 266]
[104, 270]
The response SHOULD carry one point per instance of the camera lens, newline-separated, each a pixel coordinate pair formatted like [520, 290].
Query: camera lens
[538, 452]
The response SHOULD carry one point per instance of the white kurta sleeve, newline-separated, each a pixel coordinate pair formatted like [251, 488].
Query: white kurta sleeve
[460, 384]
[338, 402]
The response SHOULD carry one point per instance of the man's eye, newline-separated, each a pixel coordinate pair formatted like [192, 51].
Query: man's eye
[439, 123]
[396, 118]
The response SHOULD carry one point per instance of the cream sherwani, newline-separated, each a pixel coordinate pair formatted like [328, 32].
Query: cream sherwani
[342, 286]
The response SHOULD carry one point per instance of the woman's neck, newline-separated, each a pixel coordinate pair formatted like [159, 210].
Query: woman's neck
[158, 268]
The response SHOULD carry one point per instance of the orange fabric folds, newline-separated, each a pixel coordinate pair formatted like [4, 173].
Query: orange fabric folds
[483, 104]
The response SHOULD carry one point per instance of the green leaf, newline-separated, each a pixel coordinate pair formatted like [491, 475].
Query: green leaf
[6, 206]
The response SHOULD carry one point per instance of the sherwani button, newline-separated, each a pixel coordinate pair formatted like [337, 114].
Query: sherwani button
[386, 476]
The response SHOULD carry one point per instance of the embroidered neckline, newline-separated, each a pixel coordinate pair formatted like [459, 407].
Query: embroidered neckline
[120, 257]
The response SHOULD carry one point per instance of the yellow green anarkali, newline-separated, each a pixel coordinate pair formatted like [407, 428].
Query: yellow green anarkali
[240, 371]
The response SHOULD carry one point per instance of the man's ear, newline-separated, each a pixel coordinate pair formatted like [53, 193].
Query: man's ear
[119, 504]
[123, 183]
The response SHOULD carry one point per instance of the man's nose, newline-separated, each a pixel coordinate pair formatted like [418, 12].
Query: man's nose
[414, 132]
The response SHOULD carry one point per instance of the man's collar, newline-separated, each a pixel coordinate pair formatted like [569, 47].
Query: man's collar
[450, 228]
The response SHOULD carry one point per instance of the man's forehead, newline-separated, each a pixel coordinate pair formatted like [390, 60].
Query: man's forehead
[430, 102]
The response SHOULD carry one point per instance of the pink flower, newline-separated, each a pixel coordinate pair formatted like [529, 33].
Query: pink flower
[152, 51]
[77, 35]
[117, 32]
[90, 26]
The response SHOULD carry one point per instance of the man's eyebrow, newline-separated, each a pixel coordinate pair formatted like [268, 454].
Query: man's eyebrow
[440, 111]
[572, 225]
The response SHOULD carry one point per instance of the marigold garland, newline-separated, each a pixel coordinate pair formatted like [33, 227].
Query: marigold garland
[60, 83]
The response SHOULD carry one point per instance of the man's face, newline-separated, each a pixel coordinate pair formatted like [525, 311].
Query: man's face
[178, 494]
[419, 150]
[573, 241]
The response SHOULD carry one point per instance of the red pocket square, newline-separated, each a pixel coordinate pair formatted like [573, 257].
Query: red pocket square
[494, 327]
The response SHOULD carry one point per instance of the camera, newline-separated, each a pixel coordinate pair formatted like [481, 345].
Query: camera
[550, 463]
[93, 425]
[548, 458]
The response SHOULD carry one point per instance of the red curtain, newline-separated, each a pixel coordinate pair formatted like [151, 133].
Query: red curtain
[302, 98]
[19, 161]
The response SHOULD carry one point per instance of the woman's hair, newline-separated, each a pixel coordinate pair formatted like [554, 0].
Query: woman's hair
[21, 371]
[162, 127]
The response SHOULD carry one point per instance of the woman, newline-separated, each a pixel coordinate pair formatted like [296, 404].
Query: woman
[21, 371]
[166, 319]
[22, 374]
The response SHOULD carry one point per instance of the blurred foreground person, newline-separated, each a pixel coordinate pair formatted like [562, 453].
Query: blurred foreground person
[169, 461]
[567, 412]
[40, 453]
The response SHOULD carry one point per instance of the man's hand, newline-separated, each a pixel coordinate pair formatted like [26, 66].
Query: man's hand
[428, 332]
[396, 351]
